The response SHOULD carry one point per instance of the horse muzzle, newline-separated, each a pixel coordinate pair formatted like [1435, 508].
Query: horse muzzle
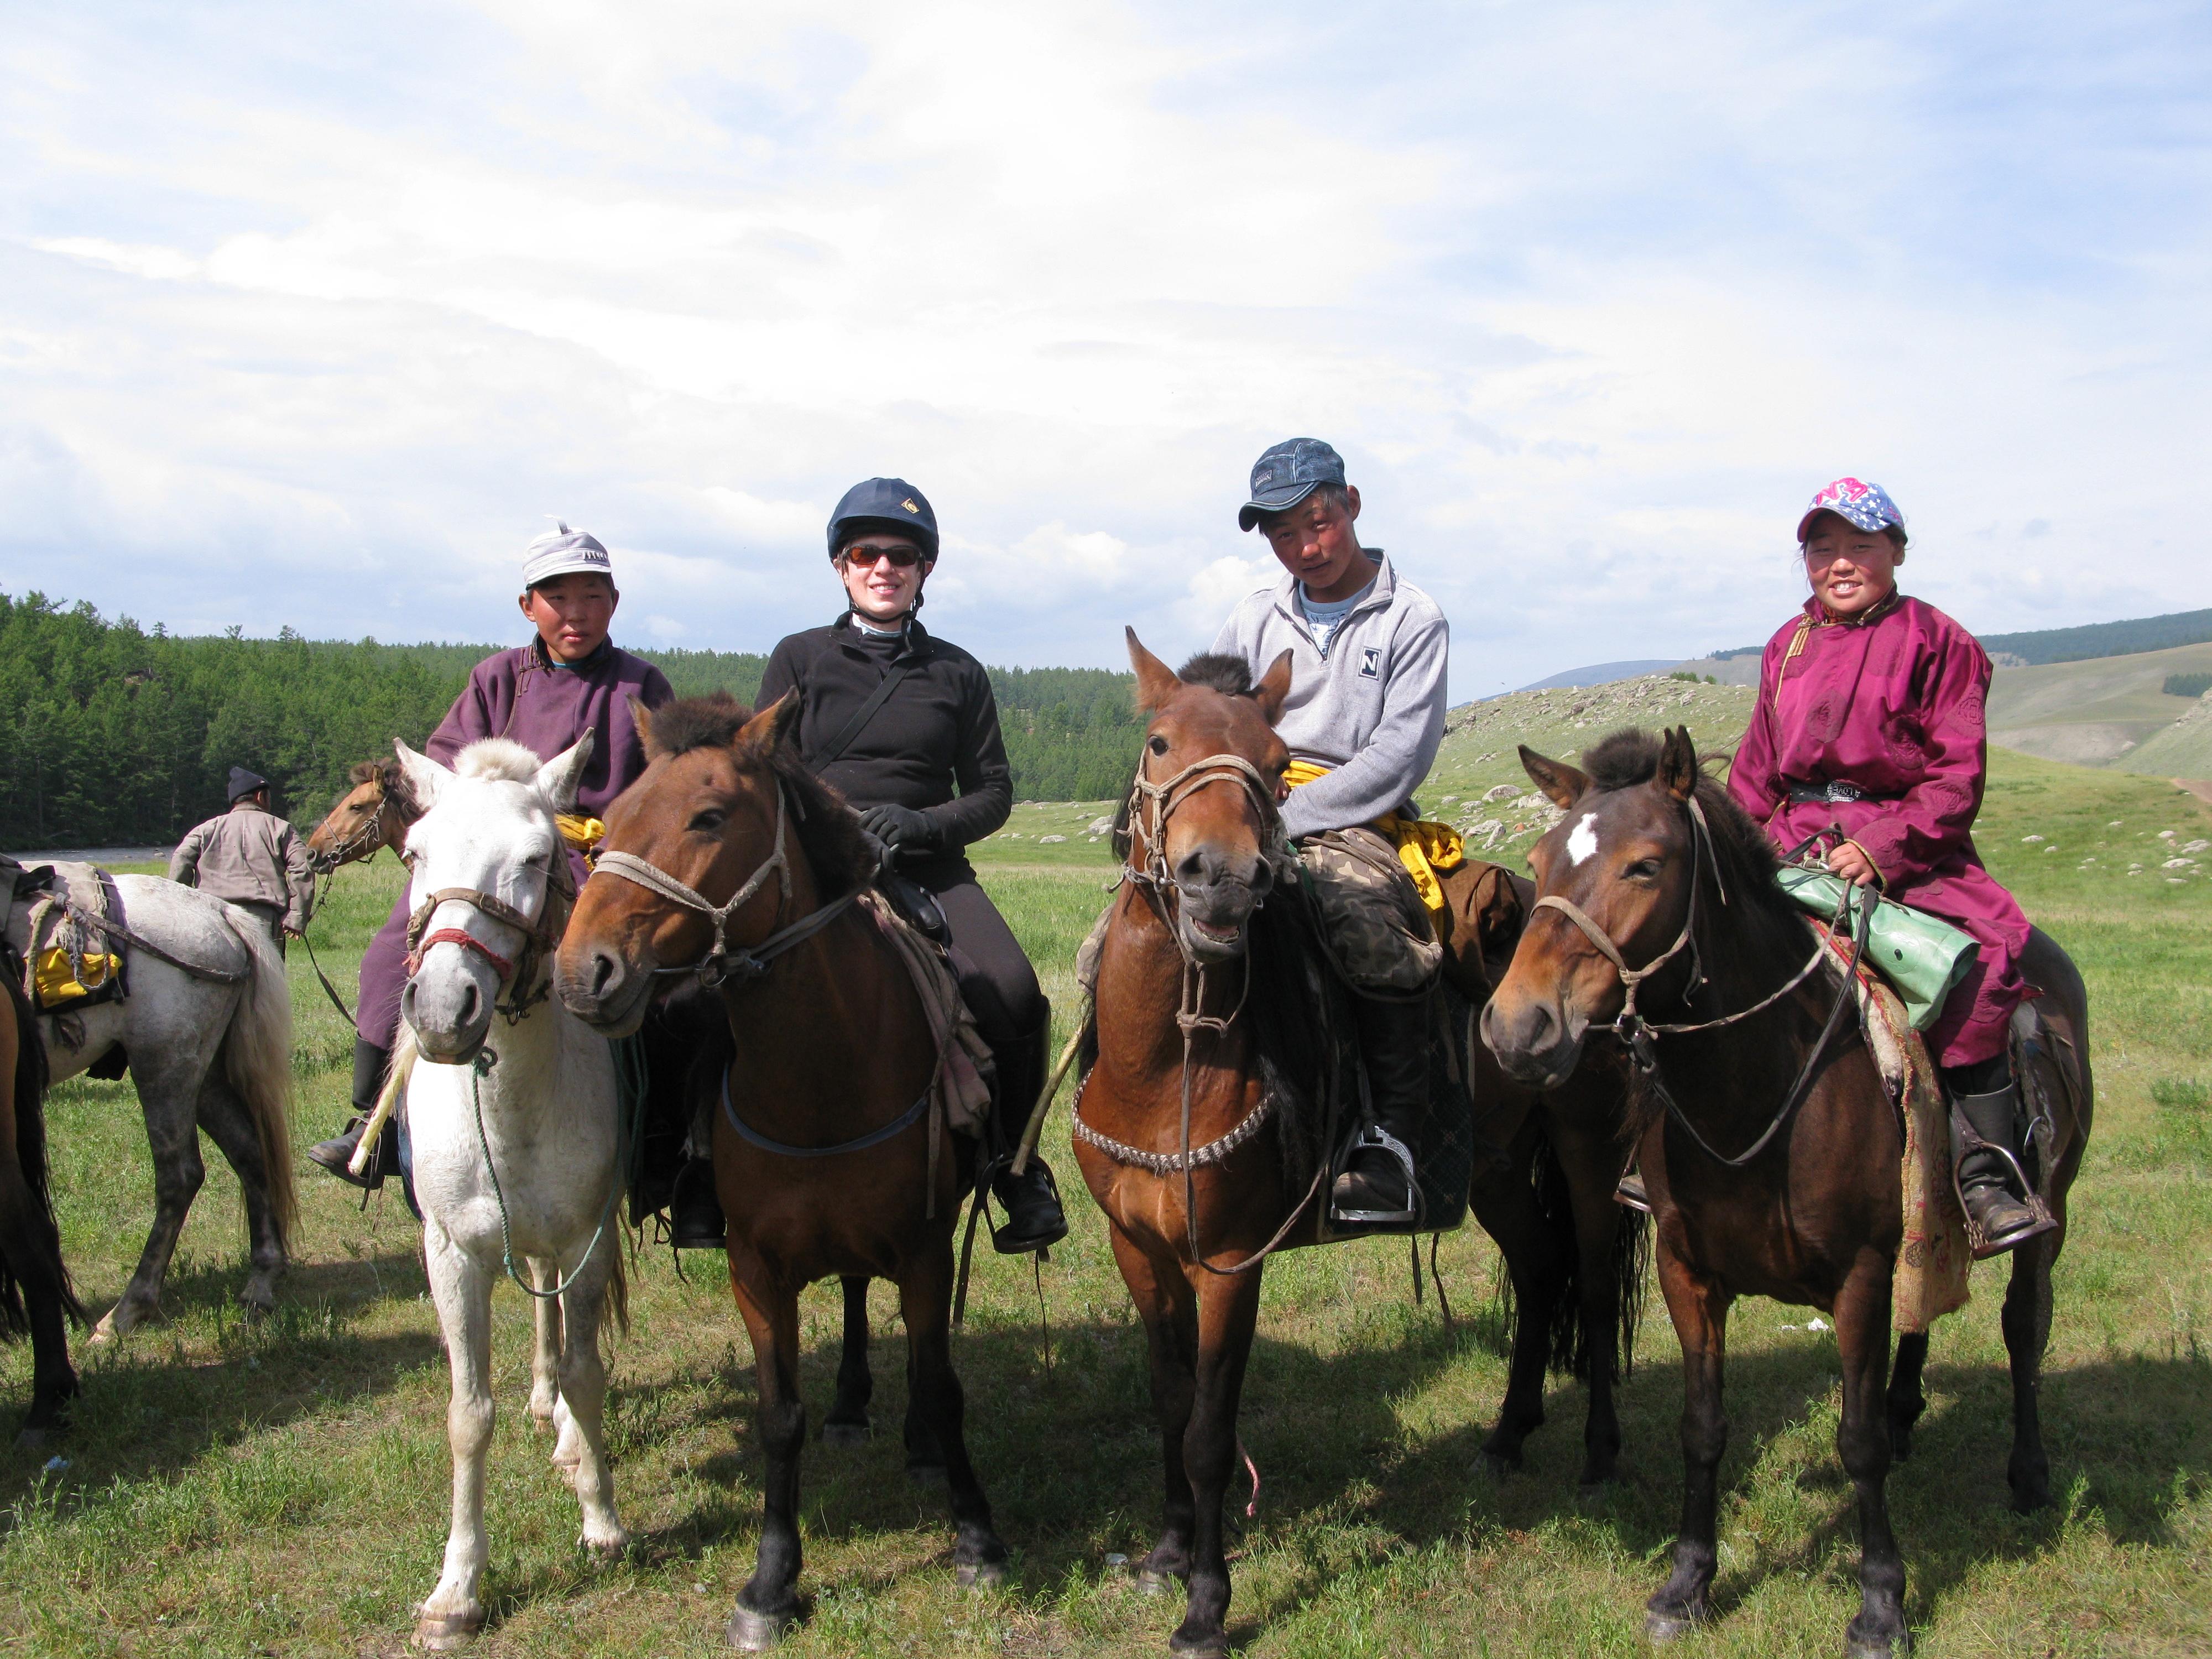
[1538, 1043]
[1211, 921]
[449, 1007]
[599, 987]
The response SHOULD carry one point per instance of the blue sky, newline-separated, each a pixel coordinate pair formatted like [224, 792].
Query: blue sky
[310, 316]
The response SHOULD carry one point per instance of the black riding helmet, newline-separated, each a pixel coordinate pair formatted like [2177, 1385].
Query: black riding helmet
[891, 504]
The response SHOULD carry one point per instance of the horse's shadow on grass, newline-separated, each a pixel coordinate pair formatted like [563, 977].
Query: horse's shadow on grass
[1071, 1458]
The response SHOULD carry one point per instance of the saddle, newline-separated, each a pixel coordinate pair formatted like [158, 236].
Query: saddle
[68, 963]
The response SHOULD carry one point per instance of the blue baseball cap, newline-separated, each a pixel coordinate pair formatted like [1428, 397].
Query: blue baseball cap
[1286, 474]
[889, 504]
[1865, 505]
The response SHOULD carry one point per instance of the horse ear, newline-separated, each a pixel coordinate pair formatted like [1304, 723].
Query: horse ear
[1677, 765]
[1273, 687]
[425, 777]
[641, 718]
[1558, 779]
[1156, 681]
[765, 730]
[559, 779]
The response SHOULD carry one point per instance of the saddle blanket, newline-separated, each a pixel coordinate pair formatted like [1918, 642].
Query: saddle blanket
[965, 1067]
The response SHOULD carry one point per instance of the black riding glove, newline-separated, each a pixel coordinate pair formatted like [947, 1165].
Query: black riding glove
[901, 827]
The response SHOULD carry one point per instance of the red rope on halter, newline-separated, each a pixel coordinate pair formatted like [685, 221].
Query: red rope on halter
[467, 941]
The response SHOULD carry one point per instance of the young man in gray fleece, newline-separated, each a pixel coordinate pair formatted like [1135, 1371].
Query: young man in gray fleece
[1367, 707]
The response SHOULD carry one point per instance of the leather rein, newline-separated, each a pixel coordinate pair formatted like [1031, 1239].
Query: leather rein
[526, 986]
[1151, 805]
[1638, 1035]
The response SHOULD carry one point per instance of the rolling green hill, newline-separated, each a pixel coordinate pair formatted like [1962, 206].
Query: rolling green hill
[2094, 712]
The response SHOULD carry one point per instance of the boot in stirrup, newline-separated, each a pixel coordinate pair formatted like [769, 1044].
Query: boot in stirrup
[695, 1211]
[1989, 1172]
[1378, 1187]
[336, 1154]
[1035, 1219]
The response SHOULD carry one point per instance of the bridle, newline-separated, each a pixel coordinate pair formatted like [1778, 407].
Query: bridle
[1151, 805]
[370, 834]
[1639, 1034]
[525, 985]
[722, 963]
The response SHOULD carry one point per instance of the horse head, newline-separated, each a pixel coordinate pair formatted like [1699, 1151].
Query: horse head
[1200, 820]
[1625, 858]
[373, 813]
[700, 842]
[487, 871]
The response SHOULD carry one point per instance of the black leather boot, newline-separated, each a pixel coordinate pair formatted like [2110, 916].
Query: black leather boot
[1030, 1200]
[1987, 1175]
[1376, 1186]
[694, 1212]
[336, 1154]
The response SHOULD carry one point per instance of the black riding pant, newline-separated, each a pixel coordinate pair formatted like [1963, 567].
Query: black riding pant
[996, 979]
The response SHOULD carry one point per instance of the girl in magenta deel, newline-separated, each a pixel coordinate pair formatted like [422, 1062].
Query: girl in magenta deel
[1869, 734]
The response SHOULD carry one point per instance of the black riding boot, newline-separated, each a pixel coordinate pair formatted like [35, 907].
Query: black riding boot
[1987, 1176]
[336, 1154]
[694, 1212]
[1377, 1185]
[1032, 1199]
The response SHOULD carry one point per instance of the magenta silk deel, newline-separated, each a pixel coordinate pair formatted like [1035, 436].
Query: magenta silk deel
[1893, 704]
[516, 695]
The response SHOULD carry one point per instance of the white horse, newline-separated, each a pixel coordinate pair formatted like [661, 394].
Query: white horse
[210, 1051]
[516, 1151]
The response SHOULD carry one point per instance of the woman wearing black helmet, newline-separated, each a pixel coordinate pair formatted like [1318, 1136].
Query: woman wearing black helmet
[905, 726]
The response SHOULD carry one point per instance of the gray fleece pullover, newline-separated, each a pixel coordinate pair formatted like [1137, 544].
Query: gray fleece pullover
[1372, 708]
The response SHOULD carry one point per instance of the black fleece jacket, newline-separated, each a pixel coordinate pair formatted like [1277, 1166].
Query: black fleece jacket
[940, 728]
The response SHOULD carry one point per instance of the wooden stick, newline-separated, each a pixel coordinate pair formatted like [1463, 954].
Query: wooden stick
[1035, 1125]
[403, 1063]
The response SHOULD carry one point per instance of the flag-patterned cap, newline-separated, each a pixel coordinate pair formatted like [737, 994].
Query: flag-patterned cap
[1868, 506]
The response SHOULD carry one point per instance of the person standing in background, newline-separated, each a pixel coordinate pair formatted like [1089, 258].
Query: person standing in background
[251, 857]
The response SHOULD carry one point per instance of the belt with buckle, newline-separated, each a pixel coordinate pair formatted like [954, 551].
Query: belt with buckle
[1828, 793]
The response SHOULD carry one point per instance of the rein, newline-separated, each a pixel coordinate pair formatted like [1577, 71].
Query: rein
[1639, 1034]
[541, 934]
[1157, 802]
[371, 835]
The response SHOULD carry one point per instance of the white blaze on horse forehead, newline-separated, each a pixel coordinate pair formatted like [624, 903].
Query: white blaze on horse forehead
[1582, 842]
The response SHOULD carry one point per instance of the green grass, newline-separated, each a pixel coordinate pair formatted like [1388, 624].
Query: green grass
[283, 1488]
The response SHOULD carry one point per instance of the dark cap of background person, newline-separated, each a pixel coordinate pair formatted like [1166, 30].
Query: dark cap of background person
[243, 783]
[884, 504]
[1286, 474]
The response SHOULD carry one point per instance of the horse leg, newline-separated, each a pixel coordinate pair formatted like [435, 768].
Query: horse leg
[1505, 1206]
[583, 1405]
[1226, 1314]
[173, 1136]
[1169, 1312]
[1699, 1309]
[461, 1290]
[1906, 1401]
[925, 1301]
[228, 1124]
[1598, 1226]
[34, 1254]
[1862, 1442]
[548, 1408]
[2027, 1324]
[767, 1607]
[848, 1423]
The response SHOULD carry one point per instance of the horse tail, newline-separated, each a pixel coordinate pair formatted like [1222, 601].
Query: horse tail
[44, 1242]
[257, 1061]
[1570, 1348]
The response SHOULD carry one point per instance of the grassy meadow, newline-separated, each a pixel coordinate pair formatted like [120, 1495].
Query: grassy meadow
[282, 1488]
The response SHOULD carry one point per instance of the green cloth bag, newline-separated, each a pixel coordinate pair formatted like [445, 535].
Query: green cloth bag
[1923, 956]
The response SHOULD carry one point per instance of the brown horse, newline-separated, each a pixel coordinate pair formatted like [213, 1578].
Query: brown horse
[1198, 1126]
[737, 866]
[35, 1294]
[1769, 1146]
[372, 814]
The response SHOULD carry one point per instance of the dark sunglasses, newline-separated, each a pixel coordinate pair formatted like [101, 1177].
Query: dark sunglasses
[901, 554]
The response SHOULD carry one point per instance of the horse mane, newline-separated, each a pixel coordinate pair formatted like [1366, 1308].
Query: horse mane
[498, 759]
[828, 828]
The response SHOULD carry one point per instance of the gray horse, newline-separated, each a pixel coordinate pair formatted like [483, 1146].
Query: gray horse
[209, 1050]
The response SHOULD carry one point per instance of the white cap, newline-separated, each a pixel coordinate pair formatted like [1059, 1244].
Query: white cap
[562, 552]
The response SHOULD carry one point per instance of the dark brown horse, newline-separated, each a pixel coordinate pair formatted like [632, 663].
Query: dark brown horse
[736, 865]
[35, 1294]
[1197, 1125]
[372, 815]
[1679, 882]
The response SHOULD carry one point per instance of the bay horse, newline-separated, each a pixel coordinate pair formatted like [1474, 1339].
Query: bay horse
[35, 1293]
[518, 1147]
[728, 861]
[374, 812]
[1198, 1126]
[1771, 1153]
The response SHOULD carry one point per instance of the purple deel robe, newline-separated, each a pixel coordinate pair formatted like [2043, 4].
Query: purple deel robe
[1892, 704]
[519, 694]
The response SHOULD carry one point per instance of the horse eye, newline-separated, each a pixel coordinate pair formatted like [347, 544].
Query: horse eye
[1158, 745]
[708, 822]
[1642, 870]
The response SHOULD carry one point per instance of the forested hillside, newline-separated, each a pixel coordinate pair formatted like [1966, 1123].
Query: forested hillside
[116, 733]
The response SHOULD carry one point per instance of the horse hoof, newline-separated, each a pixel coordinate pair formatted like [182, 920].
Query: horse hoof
[757, 1632]
[1661, 1628]
[980, 1575]
[1212, 1644]
[1880, 1647]
[445, 1632]
[605, 1552]
[37, 1440]
[846, 1434]
[926, 1474]
[1499, 1465]
[1153, 1584]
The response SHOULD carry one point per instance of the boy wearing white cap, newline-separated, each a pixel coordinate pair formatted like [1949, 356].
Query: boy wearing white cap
[545, 695]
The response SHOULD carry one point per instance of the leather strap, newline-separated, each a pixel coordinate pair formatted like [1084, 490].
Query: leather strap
[835, 748]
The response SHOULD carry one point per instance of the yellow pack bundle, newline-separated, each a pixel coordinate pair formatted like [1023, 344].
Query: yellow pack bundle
[55, 978]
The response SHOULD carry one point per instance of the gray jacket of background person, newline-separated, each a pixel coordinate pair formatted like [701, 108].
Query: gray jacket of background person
[251, 857]
[1372, 708]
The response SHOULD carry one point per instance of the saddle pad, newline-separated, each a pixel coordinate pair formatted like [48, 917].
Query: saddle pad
[1933, 1255]
[964, 1066]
